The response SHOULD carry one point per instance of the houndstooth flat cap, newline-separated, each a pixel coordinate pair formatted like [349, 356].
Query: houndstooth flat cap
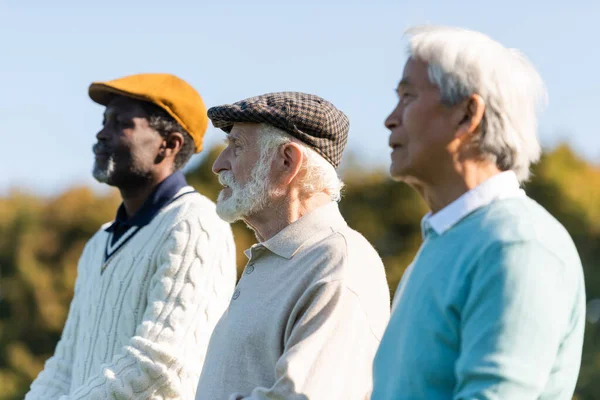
[309, 118]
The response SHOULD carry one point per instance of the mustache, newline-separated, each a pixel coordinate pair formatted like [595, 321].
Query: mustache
[101, 148]
[226, 178]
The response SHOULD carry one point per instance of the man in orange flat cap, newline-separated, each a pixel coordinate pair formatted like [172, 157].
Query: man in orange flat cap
[152, 284]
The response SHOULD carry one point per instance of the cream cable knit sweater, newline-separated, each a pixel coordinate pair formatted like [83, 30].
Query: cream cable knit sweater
[141, 328]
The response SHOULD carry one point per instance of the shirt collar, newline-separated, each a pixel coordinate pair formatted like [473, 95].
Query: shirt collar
[160, 196]
[290, 239]
[502, 185]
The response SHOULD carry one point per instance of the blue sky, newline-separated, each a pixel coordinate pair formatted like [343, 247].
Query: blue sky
[349, 52]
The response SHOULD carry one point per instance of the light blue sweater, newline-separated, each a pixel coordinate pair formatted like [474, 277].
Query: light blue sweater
[494, 308]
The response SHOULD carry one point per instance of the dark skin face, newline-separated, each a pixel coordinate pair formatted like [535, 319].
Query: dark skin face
[141, 158]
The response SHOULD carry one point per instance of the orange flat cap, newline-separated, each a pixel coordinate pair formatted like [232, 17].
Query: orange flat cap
[172, 94]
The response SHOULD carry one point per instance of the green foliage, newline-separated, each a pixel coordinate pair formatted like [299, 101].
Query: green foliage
[41, 240]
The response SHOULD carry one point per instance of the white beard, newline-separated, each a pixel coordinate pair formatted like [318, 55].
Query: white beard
[246, 199]
[103, 174]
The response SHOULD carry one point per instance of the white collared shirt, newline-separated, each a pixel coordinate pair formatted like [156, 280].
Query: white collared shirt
[501, 186]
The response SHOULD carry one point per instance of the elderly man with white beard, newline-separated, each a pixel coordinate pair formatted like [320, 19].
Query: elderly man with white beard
[309, 311]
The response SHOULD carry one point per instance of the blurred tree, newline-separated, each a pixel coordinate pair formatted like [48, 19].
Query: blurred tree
[40, 244]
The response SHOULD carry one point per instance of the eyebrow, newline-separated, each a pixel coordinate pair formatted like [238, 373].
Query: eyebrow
[236, 137]
[230, 139]
[403, 83]
[108, 113]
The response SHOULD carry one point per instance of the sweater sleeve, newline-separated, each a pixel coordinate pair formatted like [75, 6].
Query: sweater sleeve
[164, 357]
[55, 378]
[514, 319]
[328, 352]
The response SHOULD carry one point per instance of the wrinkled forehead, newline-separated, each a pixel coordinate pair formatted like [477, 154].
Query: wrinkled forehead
[244, 130]
[415, 74]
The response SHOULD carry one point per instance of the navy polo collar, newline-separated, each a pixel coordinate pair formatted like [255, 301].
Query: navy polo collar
[162, 195]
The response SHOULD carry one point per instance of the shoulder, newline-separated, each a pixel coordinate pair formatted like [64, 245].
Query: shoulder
[189, 204]
[193, 210]
[364, 272]
[345, 242]
[188, 230]
[96, 243]
[346, 259]
[343, 249]
[517, 240]
[360, 255]
[519, 223]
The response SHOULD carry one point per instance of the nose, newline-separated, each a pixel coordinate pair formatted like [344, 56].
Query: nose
[394, 119]
[102, 134]
[221, 163]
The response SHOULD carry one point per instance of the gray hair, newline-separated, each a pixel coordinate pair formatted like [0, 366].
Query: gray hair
[320, 175]
[462, 63]
[164, 124]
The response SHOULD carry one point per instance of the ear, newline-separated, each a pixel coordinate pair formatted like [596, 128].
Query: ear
[171, 145]
[470, 116]
[291, 161]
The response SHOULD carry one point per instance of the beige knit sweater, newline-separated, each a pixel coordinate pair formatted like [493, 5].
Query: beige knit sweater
[140, 329]
[305, 320]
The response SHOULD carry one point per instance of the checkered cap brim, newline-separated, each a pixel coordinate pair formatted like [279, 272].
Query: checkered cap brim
[309, 118]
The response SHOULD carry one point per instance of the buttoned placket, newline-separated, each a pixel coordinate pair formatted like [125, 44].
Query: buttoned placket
[249, 269]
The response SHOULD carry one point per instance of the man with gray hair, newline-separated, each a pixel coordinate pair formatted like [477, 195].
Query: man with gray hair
[309, 311]
[493, 305]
